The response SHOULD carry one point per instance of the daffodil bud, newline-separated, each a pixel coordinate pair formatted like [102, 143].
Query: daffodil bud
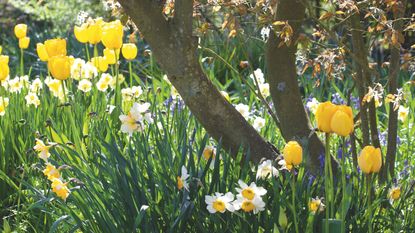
[20, 30]
[24, 42]
[81, 33]
[60, 67]
[112, 34]
[342, 121]
[41, 52]
[129, 51]
[293, 153]
[370, 160]
[324, 113]
[56, 47]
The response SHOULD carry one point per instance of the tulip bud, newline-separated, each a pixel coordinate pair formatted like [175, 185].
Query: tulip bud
[370, 160]
[4, 67]
[56, 47]
[100, 63]
[81, 33]
[342, 121]
[24, 42]
[60, 67]
[112, 34]
[129, 51]
[41, 52]
[282, 219]
[293, 153]
[20, 30]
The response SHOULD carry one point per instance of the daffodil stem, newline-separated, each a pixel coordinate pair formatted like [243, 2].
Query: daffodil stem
[293, 201]
[326, 181]
[21, 63]
[369, 200]
[130, 68]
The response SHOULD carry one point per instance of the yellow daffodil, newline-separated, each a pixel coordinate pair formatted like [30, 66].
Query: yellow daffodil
[24, 42]
[20, 30]
[315, 205]
[42, 149]
[112, 34]
[129, 51]
[60, 188]
[395, 193]
[293, 154]
[51, 172]
[60, 67]
[370, 160]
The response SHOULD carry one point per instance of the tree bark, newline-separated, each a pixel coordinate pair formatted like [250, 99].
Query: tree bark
[285, 93]
[175, 49]
[393, 86]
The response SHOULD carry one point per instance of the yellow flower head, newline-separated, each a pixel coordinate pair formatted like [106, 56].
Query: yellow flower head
[20, 30]
[94, 30]
[293, 153]
[324, 113]
[179, 183]
[24, 42]
[4, 67]
[60, 188]
[41, 52]
[111, 55]
[342, 121]
[370, 160]
[4, 102]
[55, 47]
[100, 63]
[395, 193]
[315, 205]
[209, 152]
[60, 67]
[42, 149]
[51, 172]
[112, 34]
[81, 33]
[129, 51]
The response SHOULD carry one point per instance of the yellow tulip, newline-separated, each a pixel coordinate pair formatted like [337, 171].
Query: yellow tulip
[109, 54]
[112, 34]
[324, 113]
[100, 63]
[4, 67]
[342, 121]
[370, 160]
[24, 42]
[81, 33]
[94, 31]
[56, 47]
[129, 51]
[20, 30]
[1, 49]
[41, 52]
[60, 67]
[293, 153]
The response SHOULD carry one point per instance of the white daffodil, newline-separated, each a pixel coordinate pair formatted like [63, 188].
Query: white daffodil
[36, 85]
[243, 109]
[251, 191]
[403, 113]
[85, 85]
[134, 121]
[255, 205]
[312, 105]
[32, 98]
[258, 75]
[220, 203]
[182, 181]
[266, 170]
[259, 123]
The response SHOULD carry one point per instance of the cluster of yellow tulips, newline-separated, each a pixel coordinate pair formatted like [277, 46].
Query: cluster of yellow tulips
[20, 30]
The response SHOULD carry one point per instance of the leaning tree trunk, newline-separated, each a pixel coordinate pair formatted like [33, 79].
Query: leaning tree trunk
[282, 77]
[175, 49]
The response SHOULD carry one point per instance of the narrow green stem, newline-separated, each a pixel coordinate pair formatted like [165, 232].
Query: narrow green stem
[130, 67]
[117, 81]
[293, 201]
[343, 213]
[326, 181]
[87, 52]
[95, 51]
[369, 200]
[21, 63]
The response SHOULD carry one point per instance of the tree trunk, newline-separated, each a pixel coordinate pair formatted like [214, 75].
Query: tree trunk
[285, 93]
[175, 49]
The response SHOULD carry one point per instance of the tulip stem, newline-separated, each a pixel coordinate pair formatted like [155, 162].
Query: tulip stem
[327, 181]
[130, 68]
[87, 51]
[21, 63]
[369, 200]
[293, 200]
[344, 211]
